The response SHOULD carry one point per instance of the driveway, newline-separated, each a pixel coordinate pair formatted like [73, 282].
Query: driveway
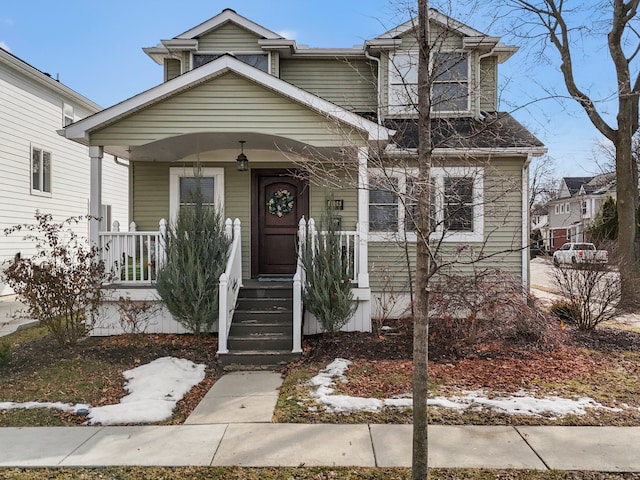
[543, 286]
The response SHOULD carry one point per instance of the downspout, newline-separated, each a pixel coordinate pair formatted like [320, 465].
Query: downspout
[526, 281]
[379, 88]
[120, 162]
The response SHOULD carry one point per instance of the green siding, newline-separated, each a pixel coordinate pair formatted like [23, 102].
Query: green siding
[172, 69]
[348, 216]
[502, 234]
[150, 191]
[229, 103]
[229, 38]
[349, 83]
[488, 84]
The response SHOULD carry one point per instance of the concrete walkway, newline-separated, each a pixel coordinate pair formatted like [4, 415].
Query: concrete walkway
[232, 427]
[10, 317]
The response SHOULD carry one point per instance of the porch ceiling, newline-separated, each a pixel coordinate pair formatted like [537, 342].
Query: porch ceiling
[179, 147]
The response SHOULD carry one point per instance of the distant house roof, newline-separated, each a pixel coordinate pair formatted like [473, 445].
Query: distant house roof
[575, 183]
[497, 131]
[590, 185]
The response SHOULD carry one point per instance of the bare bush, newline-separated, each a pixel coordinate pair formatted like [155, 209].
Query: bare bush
[61, 284]
[592, 289]
[488, 308]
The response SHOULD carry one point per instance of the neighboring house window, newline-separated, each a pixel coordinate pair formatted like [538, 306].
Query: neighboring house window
[258, 60]
[567, 208]
[183, 182]
[40, 171]
[67, 114]
[457, 209]
[562, 208]
[557, 209]
[450, 89]
[584, 207]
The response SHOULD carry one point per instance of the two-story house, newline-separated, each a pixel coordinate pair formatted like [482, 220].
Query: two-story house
[579, 201]
[39, 170]
[255, 110]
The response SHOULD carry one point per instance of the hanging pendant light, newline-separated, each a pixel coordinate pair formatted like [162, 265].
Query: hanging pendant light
[242, 161]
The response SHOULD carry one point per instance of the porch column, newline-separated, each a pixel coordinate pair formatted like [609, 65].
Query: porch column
[363, 218]
[95, 193]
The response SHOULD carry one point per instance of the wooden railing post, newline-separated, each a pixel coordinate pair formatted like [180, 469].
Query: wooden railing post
[162, 241]
[222, 314]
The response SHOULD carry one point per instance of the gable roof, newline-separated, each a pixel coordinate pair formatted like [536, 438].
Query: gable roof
[81, 130]
[228, 15]
[472, 38]
[574, 184]
[45, 80]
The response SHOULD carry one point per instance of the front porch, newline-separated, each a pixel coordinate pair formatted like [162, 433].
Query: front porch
[246, 326]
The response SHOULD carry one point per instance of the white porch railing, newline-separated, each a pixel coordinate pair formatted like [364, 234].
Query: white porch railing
[230, 283]
[133, 257]
[349, 242]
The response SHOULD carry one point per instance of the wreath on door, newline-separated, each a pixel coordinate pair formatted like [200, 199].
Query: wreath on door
[280, 203]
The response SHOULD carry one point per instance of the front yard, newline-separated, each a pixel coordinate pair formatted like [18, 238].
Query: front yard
[603, 366]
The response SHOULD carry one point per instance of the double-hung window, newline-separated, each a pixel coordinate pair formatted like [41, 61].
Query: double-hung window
[186, 183]
[450, 90]
[457, 212]
[40, 171]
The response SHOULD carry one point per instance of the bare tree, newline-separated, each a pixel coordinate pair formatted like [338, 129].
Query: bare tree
[543, 182]
[623, 44]
[424, 263]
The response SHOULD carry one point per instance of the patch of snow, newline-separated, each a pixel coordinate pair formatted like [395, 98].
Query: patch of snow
[154, 390]
[519, 404]
[65, 407]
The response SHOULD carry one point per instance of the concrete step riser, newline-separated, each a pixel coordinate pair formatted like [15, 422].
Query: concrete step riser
[235, 361]
[272, 344]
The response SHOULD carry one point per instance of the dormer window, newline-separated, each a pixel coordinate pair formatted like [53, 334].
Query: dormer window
[258, 60]
[450, 91]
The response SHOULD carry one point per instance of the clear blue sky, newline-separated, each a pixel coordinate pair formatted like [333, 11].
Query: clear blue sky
[96, 49]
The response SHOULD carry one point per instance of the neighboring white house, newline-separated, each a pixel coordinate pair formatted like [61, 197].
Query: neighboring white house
[39, 169]
[579, 201]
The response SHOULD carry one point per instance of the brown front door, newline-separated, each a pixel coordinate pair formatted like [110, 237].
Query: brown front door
[279, 200]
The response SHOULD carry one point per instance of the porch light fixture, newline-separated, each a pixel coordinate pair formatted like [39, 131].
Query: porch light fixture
[242, 160]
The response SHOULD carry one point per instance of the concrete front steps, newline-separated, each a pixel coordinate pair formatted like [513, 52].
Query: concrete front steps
[261, 333]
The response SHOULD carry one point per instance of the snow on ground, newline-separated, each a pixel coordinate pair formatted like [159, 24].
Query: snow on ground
[521, 403]
[154, 390]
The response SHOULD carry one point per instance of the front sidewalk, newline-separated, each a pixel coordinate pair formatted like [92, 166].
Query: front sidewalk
[602, 449]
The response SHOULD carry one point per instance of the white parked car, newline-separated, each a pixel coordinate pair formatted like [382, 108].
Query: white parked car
[574, 253]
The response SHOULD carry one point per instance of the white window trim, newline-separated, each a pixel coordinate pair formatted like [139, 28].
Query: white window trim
[392, 75]
[176, 173]
[68, 112]
[438, 174]
[35, 191]
[261, 52]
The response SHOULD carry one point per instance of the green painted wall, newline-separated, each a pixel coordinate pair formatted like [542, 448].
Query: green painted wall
[171, 69]
[229, 38]
[349, 83]
[502, 234]
[229, 103]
